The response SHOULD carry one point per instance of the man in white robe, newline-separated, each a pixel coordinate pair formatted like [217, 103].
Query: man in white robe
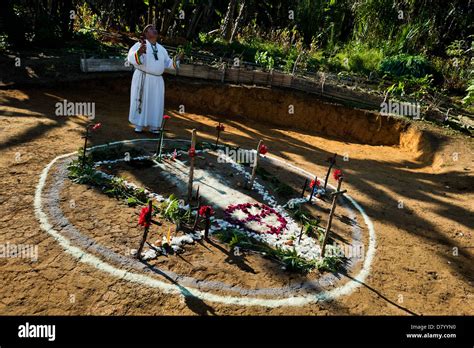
[147, 96]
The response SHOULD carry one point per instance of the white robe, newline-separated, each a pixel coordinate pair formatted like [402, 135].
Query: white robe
[153, 95]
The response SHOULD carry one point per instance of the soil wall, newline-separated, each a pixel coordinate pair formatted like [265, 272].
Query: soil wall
[273, 106]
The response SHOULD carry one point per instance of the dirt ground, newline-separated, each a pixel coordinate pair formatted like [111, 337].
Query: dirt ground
[419, 195]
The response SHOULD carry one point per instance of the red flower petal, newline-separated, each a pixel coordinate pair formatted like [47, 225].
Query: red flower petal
[263, 149]
[143, 218]
[338, 174]
[204, 209]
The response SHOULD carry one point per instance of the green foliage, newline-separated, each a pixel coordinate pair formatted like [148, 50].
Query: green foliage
[310, 225]
[115, 152]
[114, 187]
[264, 60]
[469, 98]
[236, 238]
[86, 175]
[356, 58]
[172, 211]
[412, 87]
[293, 261]
[329, 264]
[288, 257]
[405, 65]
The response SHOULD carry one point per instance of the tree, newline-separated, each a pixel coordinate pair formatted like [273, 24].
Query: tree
[227, 24]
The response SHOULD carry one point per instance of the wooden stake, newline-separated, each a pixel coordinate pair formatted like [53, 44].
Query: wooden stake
[218, 134]
[197, 215]
[335, 195]
[255, 164]
[301, 233]
[191, 166]
[160, 145]
[208, 223]
[304, 187]
[197, 194]
[145, 233]
[85, 147]
[160, 140]
[332, 163]
[312, 189]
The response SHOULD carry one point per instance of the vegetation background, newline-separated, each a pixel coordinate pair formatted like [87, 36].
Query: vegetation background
[418, 47]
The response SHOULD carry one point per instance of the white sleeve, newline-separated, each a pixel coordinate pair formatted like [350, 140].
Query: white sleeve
[170, 63]
[134, 57]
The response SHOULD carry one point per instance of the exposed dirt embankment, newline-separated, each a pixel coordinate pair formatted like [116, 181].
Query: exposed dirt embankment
[290, 109]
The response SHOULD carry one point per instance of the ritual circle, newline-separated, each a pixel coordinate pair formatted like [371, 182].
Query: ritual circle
[215, 189]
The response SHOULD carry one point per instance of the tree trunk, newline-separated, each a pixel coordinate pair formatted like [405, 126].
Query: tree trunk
[238, 21]
[151, 19]
[168, 18]
[197, 15]
[132, 22]
[226, 28]
[65, 16]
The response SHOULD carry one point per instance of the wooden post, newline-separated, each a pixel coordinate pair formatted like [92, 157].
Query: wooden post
[301, 233]
[145, 233]
[85, 147]
[208, 223]
[191, 166]
[335, 195]
[332, 163]
[160, 140]
[160, 145]
[218, 134]
[312, 189]
[255, 163]
[304, 187]
[197, 215]
[197, 194]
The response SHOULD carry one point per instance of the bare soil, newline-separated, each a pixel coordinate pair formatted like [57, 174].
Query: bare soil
[418, 191]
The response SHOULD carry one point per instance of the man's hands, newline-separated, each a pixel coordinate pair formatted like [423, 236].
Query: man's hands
[142, 48]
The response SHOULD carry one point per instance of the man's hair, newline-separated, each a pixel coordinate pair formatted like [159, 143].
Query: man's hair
[146, 28]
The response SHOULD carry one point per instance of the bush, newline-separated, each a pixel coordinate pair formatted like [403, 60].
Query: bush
[469, 98]
[356, 58]
[402, 65]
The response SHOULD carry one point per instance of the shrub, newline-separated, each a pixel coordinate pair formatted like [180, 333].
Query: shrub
[402, 65]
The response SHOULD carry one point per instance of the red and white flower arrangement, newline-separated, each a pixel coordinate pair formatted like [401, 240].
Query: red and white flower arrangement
[256, 217]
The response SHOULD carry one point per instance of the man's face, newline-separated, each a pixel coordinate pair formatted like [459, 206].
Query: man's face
[151, 34]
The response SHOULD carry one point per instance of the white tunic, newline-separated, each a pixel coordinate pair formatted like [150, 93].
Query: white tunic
[149, 111]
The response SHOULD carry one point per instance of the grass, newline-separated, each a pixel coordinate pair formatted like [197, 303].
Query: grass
[172, 211]
[113, 187]
[289, 258]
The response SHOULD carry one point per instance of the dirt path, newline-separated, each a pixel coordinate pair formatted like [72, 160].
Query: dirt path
[415, 268]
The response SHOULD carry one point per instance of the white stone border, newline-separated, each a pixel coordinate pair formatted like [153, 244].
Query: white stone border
[103, 266]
